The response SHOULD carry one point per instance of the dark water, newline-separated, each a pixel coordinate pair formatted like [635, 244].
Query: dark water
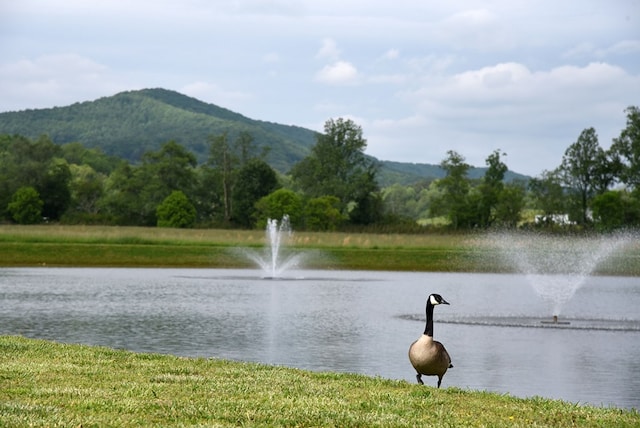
[347, 321]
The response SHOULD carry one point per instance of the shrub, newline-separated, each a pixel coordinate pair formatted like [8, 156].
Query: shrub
[26, 206]
[176, 211]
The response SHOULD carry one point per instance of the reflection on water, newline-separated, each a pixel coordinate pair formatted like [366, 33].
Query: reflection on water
[346, 321]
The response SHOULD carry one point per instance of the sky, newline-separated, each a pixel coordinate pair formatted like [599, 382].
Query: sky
[421, 77]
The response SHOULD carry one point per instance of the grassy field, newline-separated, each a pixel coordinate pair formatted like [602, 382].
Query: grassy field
[49, 384]
[135, 246]
[212, 248]
[45, 384]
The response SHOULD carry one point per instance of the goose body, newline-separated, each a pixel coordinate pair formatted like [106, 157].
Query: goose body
[429, 357]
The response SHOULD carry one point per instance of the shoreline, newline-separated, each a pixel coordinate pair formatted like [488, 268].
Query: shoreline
[102, 246]
[45, 383]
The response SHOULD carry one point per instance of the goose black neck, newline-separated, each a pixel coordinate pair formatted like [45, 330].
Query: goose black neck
[428, 329]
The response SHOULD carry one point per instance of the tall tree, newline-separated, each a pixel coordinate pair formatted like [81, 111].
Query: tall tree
[509, 206]
[490, 188]
[172, 166]
[337, 166]
[208, 195]
[226, 157]
[163, 171]
[605, 171]
[87, 187]
[626, 149]
[54, 189]
[616, 209]
[223, 161]
[37, 164]
[548, 193]
[254, 180]
[455, 186]
[399, 200]
[579, 168]
[132, 194]
[121, 200]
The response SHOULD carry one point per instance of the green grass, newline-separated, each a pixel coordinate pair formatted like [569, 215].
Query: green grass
[53, 245]
[50, 384]
[136, 246]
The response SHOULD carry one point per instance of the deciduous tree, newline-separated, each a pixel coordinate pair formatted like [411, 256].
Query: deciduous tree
[626, 149]
[163, 171]
[176, 211]
[580, 167]
[87, 187]
[279, 203]
[337, 166]
[226, 157]
[490, 189]
[254, 180]
[322, 213]
[508, 210]
[26, 206]
[548, 194]
[455, 186]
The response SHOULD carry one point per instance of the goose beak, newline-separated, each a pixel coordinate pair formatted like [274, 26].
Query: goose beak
[444, 302]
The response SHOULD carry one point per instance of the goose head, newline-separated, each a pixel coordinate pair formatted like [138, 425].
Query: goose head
[436, 299]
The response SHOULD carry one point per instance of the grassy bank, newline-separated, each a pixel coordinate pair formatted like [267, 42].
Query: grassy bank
[134, 246]
[49, 384]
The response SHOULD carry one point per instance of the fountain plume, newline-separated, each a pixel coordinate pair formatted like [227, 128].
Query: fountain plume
[556, 267]
[275, 259]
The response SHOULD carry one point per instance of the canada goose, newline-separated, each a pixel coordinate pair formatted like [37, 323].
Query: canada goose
[428, 356]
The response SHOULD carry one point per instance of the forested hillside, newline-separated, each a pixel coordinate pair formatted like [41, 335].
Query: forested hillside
[129, 124]
[410, 173]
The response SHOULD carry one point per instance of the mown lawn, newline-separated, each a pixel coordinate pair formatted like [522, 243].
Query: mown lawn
[45, 384]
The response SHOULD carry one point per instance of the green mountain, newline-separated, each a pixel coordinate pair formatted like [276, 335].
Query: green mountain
[409, 173]
[130, 123]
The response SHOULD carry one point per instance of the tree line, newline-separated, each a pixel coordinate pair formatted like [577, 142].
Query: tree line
[334, 187]
[591, 188]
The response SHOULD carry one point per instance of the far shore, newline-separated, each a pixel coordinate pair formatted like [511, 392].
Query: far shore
[104, 246]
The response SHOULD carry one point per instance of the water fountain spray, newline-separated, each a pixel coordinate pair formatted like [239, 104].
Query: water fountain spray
[556, 266]
[275, 260]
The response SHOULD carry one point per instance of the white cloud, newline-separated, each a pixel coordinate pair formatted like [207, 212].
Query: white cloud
[624, 47]
[531, 115]
[589, 50]
[52, 66]
[55, 79]
[478, 29]
[580, 50]
[329, 50]
[213, 93]
[391, 54]
[338, 73]
[395, 79]
[513, 84]
[423, 77]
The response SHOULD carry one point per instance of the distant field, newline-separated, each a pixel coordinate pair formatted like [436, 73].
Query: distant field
[89, 234]
[53, 245]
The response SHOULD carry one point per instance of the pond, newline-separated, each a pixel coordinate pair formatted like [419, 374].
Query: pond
[347, 321]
